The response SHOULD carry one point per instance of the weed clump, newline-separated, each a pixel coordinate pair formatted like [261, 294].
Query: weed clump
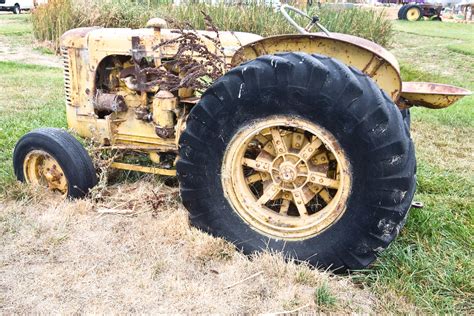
[323, 297]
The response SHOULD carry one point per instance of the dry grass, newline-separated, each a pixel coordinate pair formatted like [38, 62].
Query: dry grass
[443, 145]
[134, 251]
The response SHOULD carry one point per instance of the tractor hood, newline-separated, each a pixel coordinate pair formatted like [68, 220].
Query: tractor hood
[102, 42]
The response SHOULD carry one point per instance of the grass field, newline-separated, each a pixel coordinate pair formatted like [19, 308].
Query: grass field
[14, 25]
[31, 97]
[429, 266]
[432, 261]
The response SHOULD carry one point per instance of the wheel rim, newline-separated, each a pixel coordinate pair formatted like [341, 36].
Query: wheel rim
[287, 177]
[41, 168]
[413, 14]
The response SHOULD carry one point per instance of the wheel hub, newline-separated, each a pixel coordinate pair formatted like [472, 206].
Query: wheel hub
[287, 178]
[41, 168]
[288, 172]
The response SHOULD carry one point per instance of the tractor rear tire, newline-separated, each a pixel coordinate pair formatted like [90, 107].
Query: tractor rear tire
[347, 111]
[406, 117]
[401, 12]
[61, 148]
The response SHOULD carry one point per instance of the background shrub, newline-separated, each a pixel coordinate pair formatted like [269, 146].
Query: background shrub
[53, 19]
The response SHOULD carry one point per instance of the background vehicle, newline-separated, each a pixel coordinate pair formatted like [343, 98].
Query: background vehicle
[415, 11]
[302, 147]
[16, 6]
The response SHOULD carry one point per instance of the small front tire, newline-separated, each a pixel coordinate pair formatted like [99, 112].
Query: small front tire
[52, 157]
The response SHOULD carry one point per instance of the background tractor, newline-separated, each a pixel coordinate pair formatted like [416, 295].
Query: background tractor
[294, 143]
[415, 11]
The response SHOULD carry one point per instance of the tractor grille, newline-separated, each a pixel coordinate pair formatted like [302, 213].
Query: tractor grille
[67, 75]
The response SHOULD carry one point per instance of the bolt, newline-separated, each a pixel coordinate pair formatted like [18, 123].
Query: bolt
[278, 142]
[310, 149]
[280, 150]
[313, 179]
[321, 180]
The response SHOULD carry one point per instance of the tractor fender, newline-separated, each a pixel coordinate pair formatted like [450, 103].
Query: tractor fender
[368, 57]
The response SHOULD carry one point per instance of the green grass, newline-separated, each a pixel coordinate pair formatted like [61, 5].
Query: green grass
[323, 297]
[465, 49]
[431, 263]
[31, 97]
[15, 25]
[432, 59]
[436, 29]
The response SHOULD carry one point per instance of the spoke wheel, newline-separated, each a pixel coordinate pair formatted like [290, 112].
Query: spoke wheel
[288, 178]
[42, 169]
[300, 155]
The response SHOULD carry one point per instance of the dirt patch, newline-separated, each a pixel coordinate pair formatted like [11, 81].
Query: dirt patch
[136, 252]
[25, 53]
[16, 43]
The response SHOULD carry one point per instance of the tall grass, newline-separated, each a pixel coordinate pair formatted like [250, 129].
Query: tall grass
[56, 17]
[264, 21]
[51, 20]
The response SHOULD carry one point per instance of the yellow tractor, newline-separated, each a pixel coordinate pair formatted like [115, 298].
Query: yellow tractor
[300, 144]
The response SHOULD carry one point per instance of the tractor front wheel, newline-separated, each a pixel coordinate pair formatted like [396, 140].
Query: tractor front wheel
[52, 158]
[298, 154]
[413, 13]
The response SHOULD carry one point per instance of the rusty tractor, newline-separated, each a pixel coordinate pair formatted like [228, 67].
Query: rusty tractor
[298, 144]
